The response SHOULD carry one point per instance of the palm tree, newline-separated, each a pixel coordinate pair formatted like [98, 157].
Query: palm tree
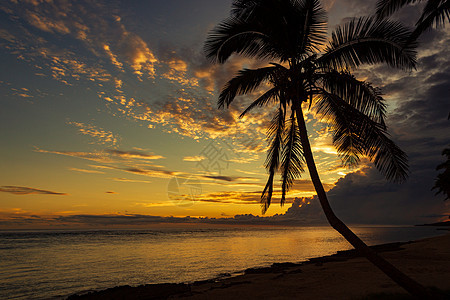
[435, 12]
[442, 183]
[303, 69]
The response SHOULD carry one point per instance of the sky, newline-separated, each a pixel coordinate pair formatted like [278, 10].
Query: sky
[109, 119]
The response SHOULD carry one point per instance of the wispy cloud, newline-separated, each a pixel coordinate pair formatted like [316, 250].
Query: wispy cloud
[97, 156]
[86, 171]
[134, 154]
[21, 190]
[101, 136]
[131, 180]
[230, 197]
[234, 184]
[113, 59]
[227, 178]
[194, 158]
[134, 162]
[106, 156]
[88, 24]
[151, 172]
[152, 204]
[23, 95]
[250, 172]
[117, 60]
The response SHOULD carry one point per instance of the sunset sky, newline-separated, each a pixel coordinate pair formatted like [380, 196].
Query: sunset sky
[108, 116]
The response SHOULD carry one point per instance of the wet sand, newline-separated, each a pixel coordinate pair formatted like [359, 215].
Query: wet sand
[344, 275]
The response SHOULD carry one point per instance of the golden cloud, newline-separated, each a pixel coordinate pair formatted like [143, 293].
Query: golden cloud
[236, 197]
[94, 156]
[113, 58]
[86, 171]
[151, 172]
[107, 156]
[135, 154]
[130, 180]
[194, 158]
[137, 53]
[101, 136]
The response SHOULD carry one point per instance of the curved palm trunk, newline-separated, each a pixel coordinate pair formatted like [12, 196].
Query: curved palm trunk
[400, 278]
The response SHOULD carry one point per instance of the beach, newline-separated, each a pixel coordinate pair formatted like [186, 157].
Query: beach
[344, 275]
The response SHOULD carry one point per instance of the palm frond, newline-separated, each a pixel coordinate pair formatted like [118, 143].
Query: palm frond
[243, 8]
[389, 159]
[245, 82]
[266, 196]
[275, 137]
[369, 40]
[236, 36]
[359, 94]
[292, 159]
[355, 134]
[275, 29]
[436, 12]
[385, 8]
[297, 27]
[262, 100]
[438, 7]
[313, 33]
[291, 33]
[345, 137]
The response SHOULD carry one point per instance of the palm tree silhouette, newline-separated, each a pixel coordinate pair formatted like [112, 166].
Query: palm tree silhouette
[303, 69]
[435, 12]
[442, 183]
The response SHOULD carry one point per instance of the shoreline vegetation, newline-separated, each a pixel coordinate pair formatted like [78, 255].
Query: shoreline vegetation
[344, 275]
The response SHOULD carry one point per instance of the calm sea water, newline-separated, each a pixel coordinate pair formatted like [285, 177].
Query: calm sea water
[52, 264]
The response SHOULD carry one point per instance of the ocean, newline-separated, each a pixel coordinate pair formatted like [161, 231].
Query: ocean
[54, 264]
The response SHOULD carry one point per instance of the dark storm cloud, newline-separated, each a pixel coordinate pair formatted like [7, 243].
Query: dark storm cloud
[366, 198]
[420, 127]
[419, 104]
[418, 107]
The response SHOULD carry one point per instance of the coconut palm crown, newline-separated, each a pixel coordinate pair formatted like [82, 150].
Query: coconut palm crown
[305, 67]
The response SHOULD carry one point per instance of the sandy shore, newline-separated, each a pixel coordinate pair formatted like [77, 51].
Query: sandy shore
[341, 276]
